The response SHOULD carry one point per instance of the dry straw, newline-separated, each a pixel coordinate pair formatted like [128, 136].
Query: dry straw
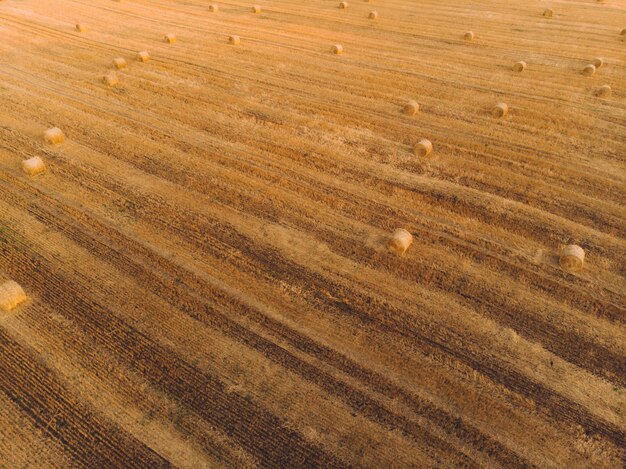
[54, 136]
[572, 257]
[469, 36]
[170, 38]
[411, 108]
[110, 79]
[373, 15]
[337, 49]
[500, 110]
[234, 40]
[589, 70]
[343, 5]
[143, 56]
[119, 63]
[256, 9]
[400, 241]
[33, 166]
[519, 66]
[604, 91]
[11, 295]
[214, 8]
[423, 148]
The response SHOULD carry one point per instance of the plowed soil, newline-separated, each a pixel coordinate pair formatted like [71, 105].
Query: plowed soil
[206, 259]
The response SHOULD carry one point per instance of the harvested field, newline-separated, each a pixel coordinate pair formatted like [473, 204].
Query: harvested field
[320, 248]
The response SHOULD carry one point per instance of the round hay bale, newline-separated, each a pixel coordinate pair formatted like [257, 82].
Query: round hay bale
[214, 8]
[234, 40]
[548, 13]
[623, 32]
[411, 108]
[170, 38]
[337, 49]
[373, 15]
[11, 295]
[119, 63]
[33, 166]
[604, 91]
[519, 66]
[589, 70]
[500, 110]
[80, 28]
[598, 62]
[572, 257]
[110, 79]
[143, 56]
[343, 5]
[469, 36]
[400, 241]
[256, 9]
[423, 148]
[54, 136]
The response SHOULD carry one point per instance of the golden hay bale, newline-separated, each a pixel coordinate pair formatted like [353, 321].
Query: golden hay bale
[500, 110]
[33, 166]
[54, 136]
[373, 15]
[110, 79]
[423, 148]
[548, 13]
[11, 295]
[337, 49]
[214, 8]
[589, 70]
[623, 32]
[519, 66]
[572, 257]
[469, 36]
[400, 241]
[343, 5]
[170, 38]
[256, 9]
[411, 108]
[234, 40]
[598, 62]
[119, 63]
[80, 28]
[604, 91]
[143, 56]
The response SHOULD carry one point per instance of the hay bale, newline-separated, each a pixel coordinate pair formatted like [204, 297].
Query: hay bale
[343, 5]
[400, 241]
[598, 62]
[411, 108]
[170, 38]
[234, 40]
[373, 15]
[256, 9]
[423, 148]
[110, 79]
[11, 295]
[623, 32]
[572, 257]
[80, 28]
[119, 63]
[337, 49]
[214, 8]
[603, 92]
[519, 66]
[500, 110]
[469, 36]
[33, 166]
[589, 70]
[548, 13]
[143, 56]
[54, 136]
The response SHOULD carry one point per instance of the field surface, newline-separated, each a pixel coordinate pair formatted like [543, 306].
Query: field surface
[205, 257]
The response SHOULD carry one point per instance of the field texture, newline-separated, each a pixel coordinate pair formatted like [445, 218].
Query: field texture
[205, 257]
